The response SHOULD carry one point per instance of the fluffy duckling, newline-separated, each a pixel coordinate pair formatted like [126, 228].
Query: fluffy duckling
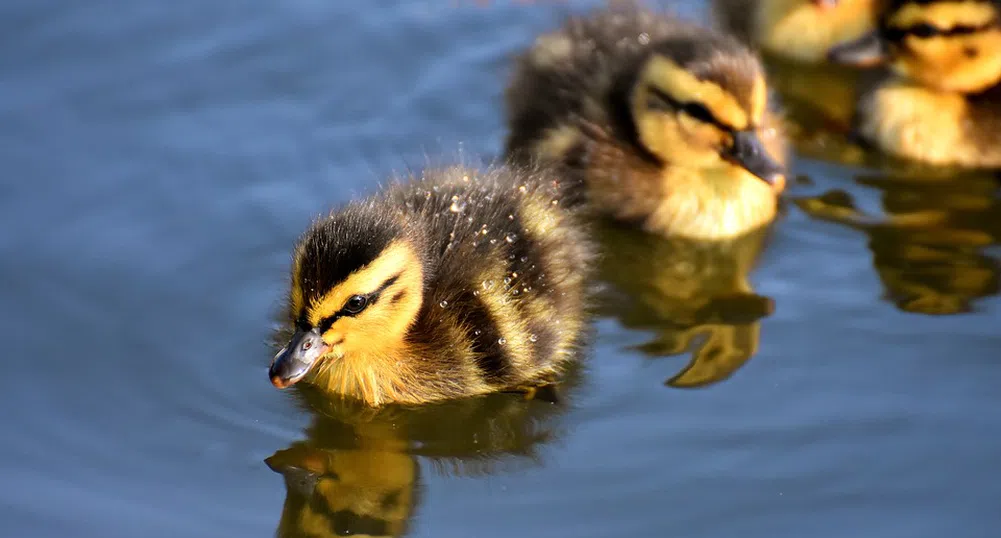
[799, 30]
[941, 103]
[456, 284]
[657, 122]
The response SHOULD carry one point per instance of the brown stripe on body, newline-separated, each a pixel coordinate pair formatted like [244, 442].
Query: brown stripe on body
[484, 336]
[527, 259]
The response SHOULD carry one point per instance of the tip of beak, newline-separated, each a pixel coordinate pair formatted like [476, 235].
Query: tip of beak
[774, 179]
[280, 383]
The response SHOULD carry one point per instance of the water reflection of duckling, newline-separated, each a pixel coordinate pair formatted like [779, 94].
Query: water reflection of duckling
[800, 30]
[659, 121]
[942, 104]
[694, 294]
[928, 249]
[358, 472]
[457, 284]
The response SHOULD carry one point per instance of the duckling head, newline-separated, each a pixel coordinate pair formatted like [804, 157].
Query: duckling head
[950, 45]
[357, 284]
[699, 103]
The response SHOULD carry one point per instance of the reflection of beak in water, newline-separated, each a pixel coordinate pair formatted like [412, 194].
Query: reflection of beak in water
[928, 248]
[364, 492]
[358, 471]
[693, 294]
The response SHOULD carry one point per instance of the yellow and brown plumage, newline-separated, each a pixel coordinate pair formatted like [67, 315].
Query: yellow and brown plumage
[454, 284]
[655, 121]
[799, 30]
[941, 101]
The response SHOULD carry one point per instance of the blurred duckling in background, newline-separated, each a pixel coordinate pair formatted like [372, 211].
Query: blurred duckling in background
[694, 295]
[358, 472]
[799, 30]
[456, 284]
[941, 104]
[656, 121]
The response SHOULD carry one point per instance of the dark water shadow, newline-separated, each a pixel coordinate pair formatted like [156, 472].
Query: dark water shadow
[694, 296]
[358, 470]
[930, 246]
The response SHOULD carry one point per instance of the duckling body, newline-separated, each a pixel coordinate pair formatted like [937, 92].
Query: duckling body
[456, 284]
[656, 121]
[940, 102]
[800, 30]
[915, 122]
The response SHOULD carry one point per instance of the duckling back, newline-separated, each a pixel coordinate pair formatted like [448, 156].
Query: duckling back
[509, 265]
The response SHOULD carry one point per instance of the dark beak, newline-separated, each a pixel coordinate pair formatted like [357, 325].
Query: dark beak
[867, 51]
[295, 360]
[749, 152]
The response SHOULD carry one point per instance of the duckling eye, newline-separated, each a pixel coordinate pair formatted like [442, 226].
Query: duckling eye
[699, 112]
[355, 304]
[923, 30]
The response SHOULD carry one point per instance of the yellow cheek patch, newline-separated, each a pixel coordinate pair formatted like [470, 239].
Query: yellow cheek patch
[682, 86]
[397, 258]
[944, 15]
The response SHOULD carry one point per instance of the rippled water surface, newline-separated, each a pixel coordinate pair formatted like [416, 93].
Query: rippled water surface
[159, 159]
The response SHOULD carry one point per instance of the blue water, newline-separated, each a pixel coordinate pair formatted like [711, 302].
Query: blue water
[159, 160]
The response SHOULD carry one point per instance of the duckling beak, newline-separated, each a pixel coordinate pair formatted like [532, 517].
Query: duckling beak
[866, 51]
[748, 151]
[295, 360]
[825, 4]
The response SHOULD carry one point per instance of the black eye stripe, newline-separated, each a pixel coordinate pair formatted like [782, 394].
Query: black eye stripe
[693, 109]
[925, 30]
[701, 113]
[370, 299]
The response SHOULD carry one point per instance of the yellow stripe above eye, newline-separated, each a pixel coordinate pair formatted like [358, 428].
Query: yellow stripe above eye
[944, 15]
[395, 259]
[682, 86]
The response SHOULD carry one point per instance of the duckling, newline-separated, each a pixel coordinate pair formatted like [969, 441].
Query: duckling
[941, 101]
[456, 284]
[798, 30]
[655, 121]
